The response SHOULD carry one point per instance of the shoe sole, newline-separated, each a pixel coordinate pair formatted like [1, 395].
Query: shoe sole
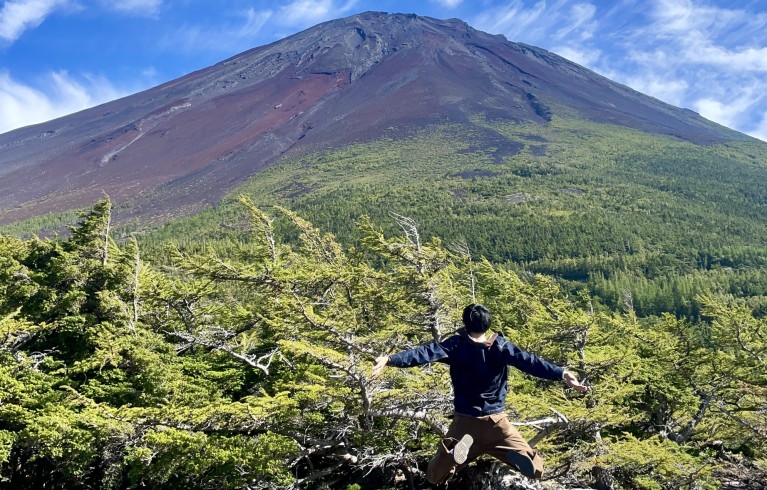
[461, 448]
[523, 463]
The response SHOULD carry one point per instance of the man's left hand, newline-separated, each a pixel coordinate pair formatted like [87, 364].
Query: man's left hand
[572, 380]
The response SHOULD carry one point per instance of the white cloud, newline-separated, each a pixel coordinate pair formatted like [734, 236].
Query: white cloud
[20, 15]
[238, 36]
[668, 89]
[149, 73]
[730, 38]
[582, 22]
[541, 23]
[20, 105]
[254, 21]
[715, 110]
[733, 109]
[61, 94]
[513, 20]
[226, 38]
[745, 59]
[692, 54]
[761, 129]
[450, 4]
[306, 13]
[146, 8]
[583, 56]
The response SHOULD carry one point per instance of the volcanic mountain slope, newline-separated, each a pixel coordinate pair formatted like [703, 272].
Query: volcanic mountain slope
[175, 148]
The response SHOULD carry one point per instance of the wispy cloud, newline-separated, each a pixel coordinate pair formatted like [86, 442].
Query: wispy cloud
[450, 4]
[226, 38]
[246, 26]
[760, 131]
[145, 8]
[305, 13]
[671, 90]
[582, 22]
[20, 15]
[254, 22]
[58, 95]
[582, 55]
[740, 108]
[535, 24]
[731, 38]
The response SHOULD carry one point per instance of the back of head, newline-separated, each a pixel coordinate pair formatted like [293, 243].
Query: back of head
[477, 318]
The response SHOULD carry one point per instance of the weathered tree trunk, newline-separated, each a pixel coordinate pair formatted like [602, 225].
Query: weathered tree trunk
[603, 478]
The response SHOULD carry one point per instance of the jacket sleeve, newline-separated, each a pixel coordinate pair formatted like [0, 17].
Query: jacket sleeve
[530, 363]
[435, 351]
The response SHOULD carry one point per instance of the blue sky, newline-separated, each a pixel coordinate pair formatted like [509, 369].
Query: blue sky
[61, 56]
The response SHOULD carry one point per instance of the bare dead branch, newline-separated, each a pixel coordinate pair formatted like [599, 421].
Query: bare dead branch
[219, 342]
[545, 426]
[419, 415]
[409, 227]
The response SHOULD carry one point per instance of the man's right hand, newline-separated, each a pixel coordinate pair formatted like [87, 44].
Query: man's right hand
[380, 365]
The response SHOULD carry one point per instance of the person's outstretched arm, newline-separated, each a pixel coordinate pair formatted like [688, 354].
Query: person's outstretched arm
[532, 364]
[432, 352]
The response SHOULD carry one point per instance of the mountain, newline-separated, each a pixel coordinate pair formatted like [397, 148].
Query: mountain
[179, 147]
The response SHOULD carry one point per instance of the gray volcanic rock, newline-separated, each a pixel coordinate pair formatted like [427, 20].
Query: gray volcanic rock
[180, 146]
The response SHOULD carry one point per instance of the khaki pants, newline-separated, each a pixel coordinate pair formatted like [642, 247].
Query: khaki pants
[492, 434]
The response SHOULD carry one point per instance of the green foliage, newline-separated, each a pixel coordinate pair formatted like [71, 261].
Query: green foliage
[248, 365]
[618, 211]
[46, 224]
[172, 458]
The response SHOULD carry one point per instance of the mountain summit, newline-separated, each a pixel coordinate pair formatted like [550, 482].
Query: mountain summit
[180, 146]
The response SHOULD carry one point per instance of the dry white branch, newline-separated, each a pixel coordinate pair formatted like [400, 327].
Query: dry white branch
[410, 228]
[216, 339]
[545, 426]
[419, 415]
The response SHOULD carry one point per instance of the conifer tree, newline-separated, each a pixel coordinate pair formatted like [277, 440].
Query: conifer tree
[248, 367]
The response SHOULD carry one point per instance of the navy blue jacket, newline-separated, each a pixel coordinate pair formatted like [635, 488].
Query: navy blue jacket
[479, 371]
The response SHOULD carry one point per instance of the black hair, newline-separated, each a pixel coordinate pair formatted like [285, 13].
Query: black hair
[477, 318]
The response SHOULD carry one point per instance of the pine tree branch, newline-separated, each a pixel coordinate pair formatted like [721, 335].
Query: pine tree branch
[332, 330]
[759, 431]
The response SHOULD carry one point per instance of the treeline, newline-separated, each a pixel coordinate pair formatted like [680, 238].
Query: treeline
[247, 366]
[680, 294]
[589, 204]
[601, 204]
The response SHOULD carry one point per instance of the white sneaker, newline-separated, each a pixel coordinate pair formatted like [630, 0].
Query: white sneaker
[461, 448]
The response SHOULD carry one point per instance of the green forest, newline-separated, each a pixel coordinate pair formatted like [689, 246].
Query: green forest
[233, 348]
[610, 210]
[190, 357]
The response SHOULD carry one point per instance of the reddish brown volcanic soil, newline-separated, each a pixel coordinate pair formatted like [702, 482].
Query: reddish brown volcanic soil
[180, 146]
